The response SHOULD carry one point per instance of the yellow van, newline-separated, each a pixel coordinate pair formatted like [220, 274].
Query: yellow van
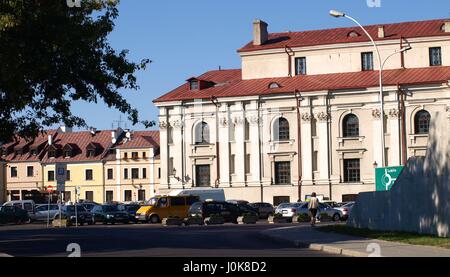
[160, 207]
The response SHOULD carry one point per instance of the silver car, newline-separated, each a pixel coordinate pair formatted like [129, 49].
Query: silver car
[346, 209]
[44, 212]
[302, 208]
[289, 209]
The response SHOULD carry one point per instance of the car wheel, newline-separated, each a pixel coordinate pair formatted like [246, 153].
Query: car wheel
[154, 219]
[336, 217]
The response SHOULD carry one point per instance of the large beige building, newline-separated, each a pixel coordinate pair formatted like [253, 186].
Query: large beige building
[303, 114]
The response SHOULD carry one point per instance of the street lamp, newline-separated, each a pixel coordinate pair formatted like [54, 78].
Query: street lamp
[381, 63]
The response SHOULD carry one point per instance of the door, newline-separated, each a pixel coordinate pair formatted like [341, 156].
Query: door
[202, 176]
[162, 207]
[178, 207]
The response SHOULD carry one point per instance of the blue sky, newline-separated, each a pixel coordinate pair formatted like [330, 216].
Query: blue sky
[187, 38]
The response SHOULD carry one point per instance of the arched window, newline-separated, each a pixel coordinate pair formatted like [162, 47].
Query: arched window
[350, 126]
[281, 129]
[422, 122]
[202, 133]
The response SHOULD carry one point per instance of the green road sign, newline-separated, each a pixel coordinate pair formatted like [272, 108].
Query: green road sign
[385, 177]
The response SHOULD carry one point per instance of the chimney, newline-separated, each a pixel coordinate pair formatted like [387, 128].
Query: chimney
[260, 34]
[447, 26]
[381, 32]
[50, 139]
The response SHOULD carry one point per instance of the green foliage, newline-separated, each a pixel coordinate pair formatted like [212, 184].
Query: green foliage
[52, 55]
[304, 218]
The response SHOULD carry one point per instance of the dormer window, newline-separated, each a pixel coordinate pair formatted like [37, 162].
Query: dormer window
[274, 85]
[67, 153]
[33, 152]
[90, 153]
[51, 153]
[194, 84]
[353, 34]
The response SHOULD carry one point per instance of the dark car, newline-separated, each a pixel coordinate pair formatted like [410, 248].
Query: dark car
[12, 214]
[110, 214]
[247, 209]
[80, 216]
[89, 205]
[264, 209]
[130, 209]
[229, 211]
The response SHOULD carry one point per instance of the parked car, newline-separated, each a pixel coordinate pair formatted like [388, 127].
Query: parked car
[246, 209]
[346, 210]
[109, 214]
[88, 205]
[289, 209]
[130, 209]
[13, 214]
[229, 211]
[161, 207]
[264, 209]
[238, 201]
[44, 212]
[82, 216]
[333, 204]
[203, 193]
[27, 205]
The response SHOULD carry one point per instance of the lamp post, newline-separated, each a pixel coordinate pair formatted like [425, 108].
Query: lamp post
[381, 63]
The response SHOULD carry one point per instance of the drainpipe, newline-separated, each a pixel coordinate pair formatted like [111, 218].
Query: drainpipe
[260, 150]
[290, 54]
[402, 94]
[216, 103]
[298, 100]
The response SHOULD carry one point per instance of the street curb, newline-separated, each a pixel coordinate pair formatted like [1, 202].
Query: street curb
[315, 246]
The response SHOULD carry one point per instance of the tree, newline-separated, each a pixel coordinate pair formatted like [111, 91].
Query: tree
[51, 55]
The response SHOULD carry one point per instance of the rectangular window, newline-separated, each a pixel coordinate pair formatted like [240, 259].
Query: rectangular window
[177, 201]
[135, 173]
[89, 196]
[127, 195]
[125, 155]
[144, 155]
[134, 155]
[125, 173]
[232, 164]
[51, 176]
[314, 161]
[141, 195]
[247, 163]
[367, 61]
[300, 66]
[277, 200]
[232, 132]
[170, 134]
[351, 171]
[247, 130]
[435, 56]
[13, 172]
[170, 166]
[110, 174]
[91, 153]
[194, 85]
[89, 175]
[144, 173]
[109, 196]
[67, 195]
[30, 171]
[67, 175]
[159, 172]
[282, 173]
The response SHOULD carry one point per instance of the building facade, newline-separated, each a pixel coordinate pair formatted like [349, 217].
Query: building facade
[303, 114]
[77, 165]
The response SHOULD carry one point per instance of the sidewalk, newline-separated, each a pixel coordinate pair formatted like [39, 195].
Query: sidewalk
[304, 236]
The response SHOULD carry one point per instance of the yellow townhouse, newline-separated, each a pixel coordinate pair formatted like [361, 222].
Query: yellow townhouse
[22, 170]
[132, 168]
[73, 164]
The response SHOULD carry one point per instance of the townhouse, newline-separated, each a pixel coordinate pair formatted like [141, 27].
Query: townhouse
[77, 165]
[303, 113]
[132, 168]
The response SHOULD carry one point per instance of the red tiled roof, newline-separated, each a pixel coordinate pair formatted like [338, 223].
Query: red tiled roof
[101, 139]
[307, 83]
[38, 143]
[414, 29]
[141, 139]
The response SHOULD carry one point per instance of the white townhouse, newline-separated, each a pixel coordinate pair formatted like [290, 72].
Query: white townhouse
[303, 113]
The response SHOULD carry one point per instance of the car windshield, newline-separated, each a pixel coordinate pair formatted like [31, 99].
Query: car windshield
[283, 205]
[348, 204]
[108, 209]
[71, 209]
[151, 202]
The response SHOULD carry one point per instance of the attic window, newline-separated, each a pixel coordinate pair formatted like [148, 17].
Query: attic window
[443, 27]
[51, 153]
[33, 152]
[91, 153]
[353, 34]
[274, 85]
[67, 153]
[194, 85]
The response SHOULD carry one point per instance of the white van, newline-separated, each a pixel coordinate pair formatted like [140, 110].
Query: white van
[27, 205]
[203, 193]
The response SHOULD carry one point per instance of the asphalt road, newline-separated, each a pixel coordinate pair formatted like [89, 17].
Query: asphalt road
[144, 240]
